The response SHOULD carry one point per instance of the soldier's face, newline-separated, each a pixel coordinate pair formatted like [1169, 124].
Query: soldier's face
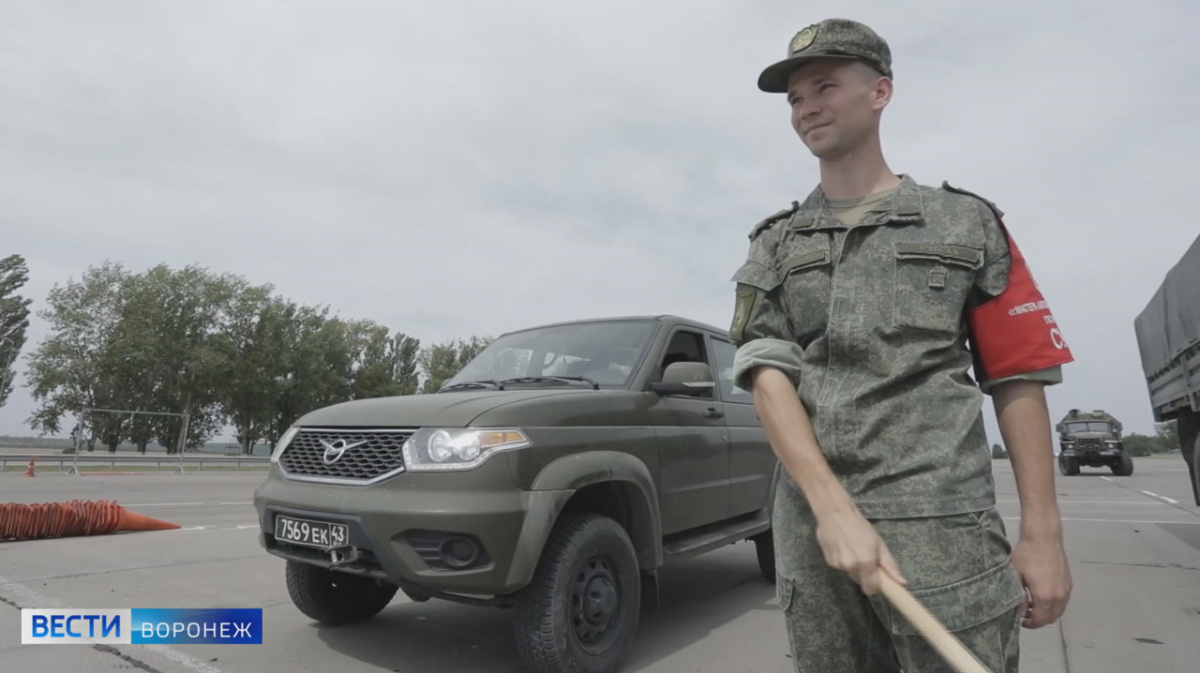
[835, 105]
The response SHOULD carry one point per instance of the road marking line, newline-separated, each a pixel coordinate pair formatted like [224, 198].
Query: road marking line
[1155, 521]
[1161, 497]
[39, 600]
[1106, 478]
[245, 526]
[1092, 502]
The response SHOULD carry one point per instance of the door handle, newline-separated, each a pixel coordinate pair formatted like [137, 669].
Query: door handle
[712, 412]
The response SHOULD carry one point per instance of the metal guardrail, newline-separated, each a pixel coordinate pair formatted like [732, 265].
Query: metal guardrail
[177, 462]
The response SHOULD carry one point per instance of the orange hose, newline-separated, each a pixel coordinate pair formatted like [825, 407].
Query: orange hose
[72, 519]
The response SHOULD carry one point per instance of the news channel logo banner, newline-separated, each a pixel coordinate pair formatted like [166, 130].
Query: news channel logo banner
[142, 626]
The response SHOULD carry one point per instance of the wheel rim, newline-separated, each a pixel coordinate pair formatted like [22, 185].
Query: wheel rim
[595, 604]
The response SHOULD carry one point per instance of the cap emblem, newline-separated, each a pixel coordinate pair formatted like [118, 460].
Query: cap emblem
[803, 39]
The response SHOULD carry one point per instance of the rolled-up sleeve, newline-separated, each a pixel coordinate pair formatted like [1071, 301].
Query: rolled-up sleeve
[779, 353]
[1051, 376]
[761, 328]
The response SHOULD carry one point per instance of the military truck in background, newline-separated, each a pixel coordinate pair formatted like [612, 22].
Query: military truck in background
[1168, 337]
[1092, 439]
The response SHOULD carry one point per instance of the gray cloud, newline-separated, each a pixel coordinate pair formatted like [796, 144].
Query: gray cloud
[467, 168]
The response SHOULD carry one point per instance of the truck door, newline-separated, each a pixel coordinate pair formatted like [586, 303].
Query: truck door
[693, 446]
[752, 462]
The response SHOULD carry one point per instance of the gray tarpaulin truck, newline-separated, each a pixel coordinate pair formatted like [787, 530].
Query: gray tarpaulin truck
[1168, 336]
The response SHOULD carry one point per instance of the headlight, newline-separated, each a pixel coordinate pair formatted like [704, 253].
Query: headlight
[283, 442]
[431, 449]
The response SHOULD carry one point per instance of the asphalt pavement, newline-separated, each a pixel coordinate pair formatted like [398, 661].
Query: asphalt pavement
[1134, 546]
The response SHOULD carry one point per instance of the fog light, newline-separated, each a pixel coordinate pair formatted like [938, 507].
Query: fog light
[458, 552]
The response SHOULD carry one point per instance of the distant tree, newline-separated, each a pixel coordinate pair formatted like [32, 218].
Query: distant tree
[213, 346]
[14, 320]
[1168, 435]
[998, 451]
[171, 322]
[1145, 445]
[67, 371]
[441, 362]
[406, 352]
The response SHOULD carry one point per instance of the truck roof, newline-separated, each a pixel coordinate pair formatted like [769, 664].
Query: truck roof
[667, 319]
[1080, 416]
[1170, 322]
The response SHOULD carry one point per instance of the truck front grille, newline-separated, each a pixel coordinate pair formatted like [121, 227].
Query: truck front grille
[1091, 443]
[366, 456]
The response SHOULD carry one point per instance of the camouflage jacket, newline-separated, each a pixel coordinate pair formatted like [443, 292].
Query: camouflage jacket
[879, 325]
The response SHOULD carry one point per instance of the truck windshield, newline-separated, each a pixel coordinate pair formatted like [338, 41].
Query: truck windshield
[606, 352]
[1089, 426]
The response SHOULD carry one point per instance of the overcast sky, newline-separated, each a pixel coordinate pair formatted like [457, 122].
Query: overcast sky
[453, 168]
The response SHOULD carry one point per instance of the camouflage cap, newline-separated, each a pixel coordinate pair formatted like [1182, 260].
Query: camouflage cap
[831, 38]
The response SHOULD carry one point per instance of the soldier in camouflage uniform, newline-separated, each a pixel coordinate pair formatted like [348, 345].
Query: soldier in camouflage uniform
[859, 313]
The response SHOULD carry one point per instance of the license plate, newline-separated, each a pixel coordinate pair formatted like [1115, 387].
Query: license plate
[320, 534]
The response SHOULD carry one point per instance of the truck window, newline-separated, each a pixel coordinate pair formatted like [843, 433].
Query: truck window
[729, 392]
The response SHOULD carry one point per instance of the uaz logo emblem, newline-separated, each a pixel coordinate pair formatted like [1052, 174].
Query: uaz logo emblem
[335, 449]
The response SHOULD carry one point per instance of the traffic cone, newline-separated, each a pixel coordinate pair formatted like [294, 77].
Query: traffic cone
[130, 521]
[29, 470]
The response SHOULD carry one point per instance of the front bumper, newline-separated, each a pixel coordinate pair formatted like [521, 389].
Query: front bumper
[1091, 453]
[403, 529]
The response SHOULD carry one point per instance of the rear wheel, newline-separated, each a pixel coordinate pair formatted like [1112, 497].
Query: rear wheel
[336, 598]
[580, 611]
[764, 545]
[1124, 467]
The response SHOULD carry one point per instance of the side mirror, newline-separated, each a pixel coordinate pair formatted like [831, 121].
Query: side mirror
[685, 378]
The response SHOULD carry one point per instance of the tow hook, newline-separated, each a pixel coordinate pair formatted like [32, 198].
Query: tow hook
[343, 556]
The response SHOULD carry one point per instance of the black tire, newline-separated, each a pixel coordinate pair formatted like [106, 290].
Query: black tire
[588, 566]
[764, 545]
[1125, 467]
[336, 598]
[1069, 467]
[1196, 470]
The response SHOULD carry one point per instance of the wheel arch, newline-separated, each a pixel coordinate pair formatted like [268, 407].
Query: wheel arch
[614, 484]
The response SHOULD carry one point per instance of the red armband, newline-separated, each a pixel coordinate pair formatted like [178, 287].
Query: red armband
[1014, 332]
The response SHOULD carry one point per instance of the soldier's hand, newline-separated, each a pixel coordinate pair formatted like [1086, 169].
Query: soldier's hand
[851, 544]
[1047, 577]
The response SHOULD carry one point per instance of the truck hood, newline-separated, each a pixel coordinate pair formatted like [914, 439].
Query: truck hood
[451, 409]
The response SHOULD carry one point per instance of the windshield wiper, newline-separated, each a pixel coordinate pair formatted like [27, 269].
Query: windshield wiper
[481, 383]
[561, 379]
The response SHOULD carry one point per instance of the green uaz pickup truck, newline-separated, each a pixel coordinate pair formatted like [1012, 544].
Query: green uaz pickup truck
[554, 475]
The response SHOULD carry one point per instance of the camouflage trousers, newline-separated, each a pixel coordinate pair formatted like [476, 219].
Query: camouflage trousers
[957, 566]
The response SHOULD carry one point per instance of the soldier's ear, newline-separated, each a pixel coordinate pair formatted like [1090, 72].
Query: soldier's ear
[882, 92]
[880, 84]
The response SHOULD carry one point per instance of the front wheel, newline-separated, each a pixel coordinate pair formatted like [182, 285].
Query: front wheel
[1069, 467]
[580, 611]
[336, 598]
[1124, 467]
